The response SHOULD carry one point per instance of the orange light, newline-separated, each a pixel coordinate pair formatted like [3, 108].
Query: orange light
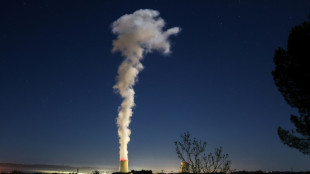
[123, 159]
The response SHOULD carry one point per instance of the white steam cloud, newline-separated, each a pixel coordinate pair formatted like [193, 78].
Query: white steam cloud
[137, 34]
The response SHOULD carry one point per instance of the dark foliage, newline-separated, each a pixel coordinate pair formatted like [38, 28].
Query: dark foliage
[292, 77]
[95, 172]
[273, 172]
[136, 172]
[150, 172]
[16, 172]
[141, 172]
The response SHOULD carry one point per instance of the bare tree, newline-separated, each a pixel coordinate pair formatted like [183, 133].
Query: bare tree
[192, 151]
[216, 162]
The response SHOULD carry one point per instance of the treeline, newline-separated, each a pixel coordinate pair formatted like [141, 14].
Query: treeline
[271, 172]
[136, 172]
[20, 172]
[150, 172]
[253, 172]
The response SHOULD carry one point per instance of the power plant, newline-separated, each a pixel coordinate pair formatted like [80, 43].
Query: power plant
[123, 166]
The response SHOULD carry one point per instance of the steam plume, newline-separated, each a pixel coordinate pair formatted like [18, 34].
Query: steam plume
[137, 34]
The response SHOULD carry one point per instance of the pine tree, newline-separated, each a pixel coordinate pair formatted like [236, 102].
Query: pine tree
[292, 77]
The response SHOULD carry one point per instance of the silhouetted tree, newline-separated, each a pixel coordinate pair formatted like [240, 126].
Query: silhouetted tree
[216, 162]
[95, 172]
[141, 171]
[193, 152]
[292, 77]
[16, 172]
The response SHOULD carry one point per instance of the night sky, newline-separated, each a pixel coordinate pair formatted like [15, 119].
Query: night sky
[57, 104]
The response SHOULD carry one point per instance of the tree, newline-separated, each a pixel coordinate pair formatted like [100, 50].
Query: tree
[95, 172]
[292, 77]
[193, 152]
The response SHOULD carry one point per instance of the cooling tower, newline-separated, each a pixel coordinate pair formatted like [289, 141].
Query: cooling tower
[123, 166]
[184, 167]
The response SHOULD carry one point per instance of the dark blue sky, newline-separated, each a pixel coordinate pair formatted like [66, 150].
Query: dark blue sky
[57, 105]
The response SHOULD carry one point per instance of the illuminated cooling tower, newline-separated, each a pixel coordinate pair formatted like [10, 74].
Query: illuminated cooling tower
[184, 167]
[123, 166]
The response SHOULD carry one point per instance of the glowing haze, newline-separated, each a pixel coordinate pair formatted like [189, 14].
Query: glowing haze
[137, 34]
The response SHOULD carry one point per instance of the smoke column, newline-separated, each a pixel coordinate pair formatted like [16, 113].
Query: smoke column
[137, 34]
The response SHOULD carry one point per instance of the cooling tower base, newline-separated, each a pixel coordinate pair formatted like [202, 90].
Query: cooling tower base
[123, 166]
